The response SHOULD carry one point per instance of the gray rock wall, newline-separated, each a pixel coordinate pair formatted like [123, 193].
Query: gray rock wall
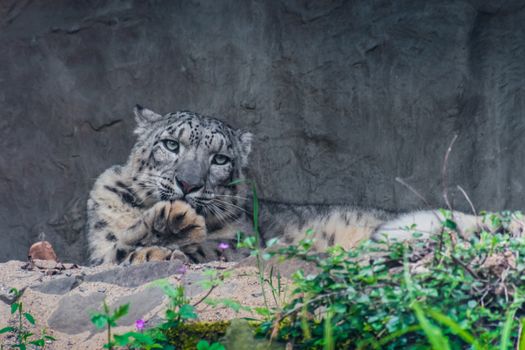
[343, 95]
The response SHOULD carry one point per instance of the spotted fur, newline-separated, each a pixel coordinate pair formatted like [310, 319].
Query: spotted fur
[183, 190]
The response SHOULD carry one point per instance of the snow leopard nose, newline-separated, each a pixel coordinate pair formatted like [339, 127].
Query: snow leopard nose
[188, 187]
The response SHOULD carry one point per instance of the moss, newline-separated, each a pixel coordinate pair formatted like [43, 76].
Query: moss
[234, 335]
[240, 336]
[187, 335]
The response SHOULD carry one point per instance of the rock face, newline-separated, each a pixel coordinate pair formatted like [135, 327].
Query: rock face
[343, 95]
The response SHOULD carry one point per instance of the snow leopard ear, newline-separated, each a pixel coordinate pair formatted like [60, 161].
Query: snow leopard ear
[245, 142]
[144, 117]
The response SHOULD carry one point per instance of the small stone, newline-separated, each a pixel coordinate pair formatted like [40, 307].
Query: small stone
[58, 286]
[42, 250]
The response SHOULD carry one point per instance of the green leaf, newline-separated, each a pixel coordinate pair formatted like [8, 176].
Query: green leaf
[328, 335]
[262, 311]
[7, 329]
[450, 224]
[203, 345]
[507, 327]
[232, 304]
[267, 256]
[123, 339]
[120, 312]
[105, 307]
[272, 242]
[454, 327]
[237, 182]
[29, 318]
[14, 307]
[217, 346]
[99, 320]
[26, 335]
[38, 342]
[521, 345]
[171, 315]
[144, 338]
[187, 312]
[434, 334]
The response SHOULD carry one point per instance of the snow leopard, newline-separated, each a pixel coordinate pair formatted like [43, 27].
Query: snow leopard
[184, 190]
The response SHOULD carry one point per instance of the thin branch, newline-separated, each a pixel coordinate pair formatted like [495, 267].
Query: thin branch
[467, 268]
[205, 296]
[418, 195]
[444, 172]
[478, 231]
[468, 200]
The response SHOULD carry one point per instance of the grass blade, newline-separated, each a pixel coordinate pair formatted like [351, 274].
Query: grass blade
[328, 332]
[437, 340]
[521, 341]
[507, 328]
[455, 328]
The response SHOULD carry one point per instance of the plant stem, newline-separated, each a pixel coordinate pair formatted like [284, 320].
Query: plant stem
[205, 296]
[110, 347]
[260, 264]
[20, 325]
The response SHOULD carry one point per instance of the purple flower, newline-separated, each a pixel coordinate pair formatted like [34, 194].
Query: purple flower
[182, 269]
[139, 324]
[223, 246]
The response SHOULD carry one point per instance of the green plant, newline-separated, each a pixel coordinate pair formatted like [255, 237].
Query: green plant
[23, 335]
[175, 329]
[204, 345]
[254, 245]
[107, 319]
[178, 311]
[177, 314]
[446, 292]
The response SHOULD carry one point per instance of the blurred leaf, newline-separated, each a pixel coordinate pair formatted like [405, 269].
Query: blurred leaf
[29, 318]
[120, 312]
[187, 312]
[99, 320]
[7, 329]
[14, 307]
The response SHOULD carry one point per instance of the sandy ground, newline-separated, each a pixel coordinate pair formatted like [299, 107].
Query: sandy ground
[242, 286]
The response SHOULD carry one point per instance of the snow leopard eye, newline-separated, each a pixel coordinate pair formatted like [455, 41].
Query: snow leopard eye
[171, 145]
[220, 159]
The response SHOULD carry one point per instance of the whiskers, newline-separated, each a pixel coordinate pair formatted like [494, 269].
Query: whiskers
[157, 184]
[223, 210]
[148, 191]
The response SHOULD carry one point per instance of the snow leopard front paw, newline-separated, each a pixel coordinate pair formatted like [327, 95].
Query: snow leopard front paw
[185, 224]
[154, 253]
[176, 223]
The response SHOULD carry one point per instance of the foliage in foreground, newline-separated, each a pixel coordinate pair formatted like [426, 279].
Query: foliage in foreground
[447, 292]
[19, 331]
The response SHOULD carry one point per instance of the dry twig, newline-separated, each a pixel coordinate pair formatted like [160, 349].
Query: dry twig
[444, 172]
